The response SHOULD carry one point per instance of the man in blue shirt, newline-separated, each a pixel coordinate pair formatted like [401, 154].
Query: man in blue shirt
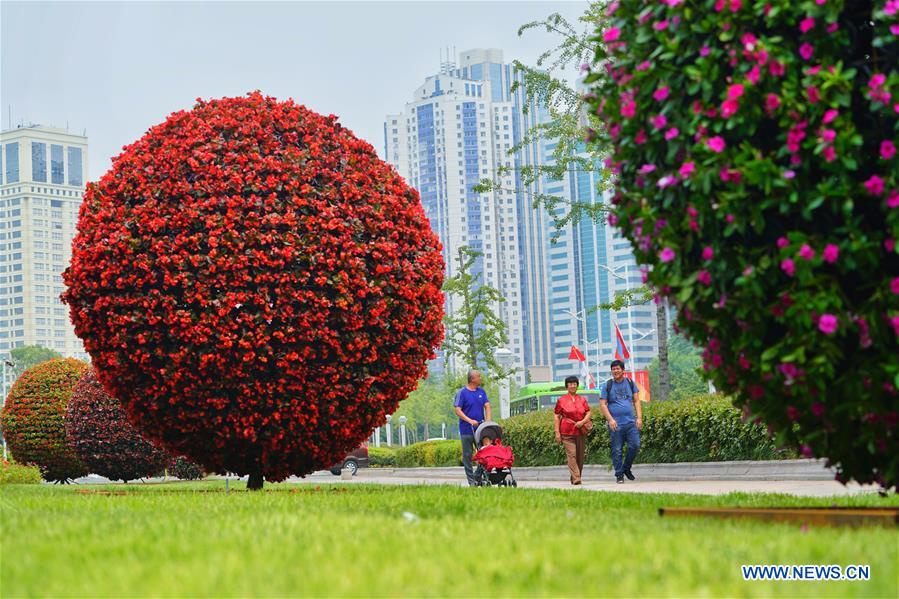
[619, 401]
[472, 408]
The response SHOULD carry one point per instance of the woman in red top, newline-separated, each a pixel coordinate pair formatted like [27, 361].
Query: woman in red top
[571, 418]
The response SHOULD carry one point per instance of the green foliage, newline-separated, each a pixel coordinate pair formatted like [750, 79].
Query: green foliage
[12, 473]
[706, 428]
[684, 363]
[429, 454]
[473, 331]
[30, 355]
[758, 181]
[381, 457]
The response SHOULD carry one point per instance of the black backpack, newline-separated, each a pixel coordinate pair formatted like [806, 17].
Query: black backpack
[609, 387]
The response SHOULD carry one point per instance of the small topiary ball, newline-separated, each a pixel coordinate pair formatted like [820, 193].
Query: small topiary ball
[101, 435]
[33, 419]
[184, 469]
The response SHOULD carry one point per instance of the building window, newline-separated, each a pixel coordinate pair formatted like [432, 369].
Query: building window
[39, 161]
[12, 162]
[75, 167]
[57, 166]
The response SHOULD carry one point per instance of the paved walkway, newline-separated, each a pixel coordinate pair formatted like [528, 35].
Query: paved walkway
[805, 488]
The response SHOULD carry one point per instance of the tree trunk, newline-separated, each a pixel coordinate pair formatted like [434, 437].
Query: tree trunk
[254, 483]
[662, 336]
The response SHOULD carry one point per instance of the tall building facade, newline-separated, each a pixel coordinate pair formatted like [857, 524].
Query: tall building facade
[588, 266]
[42, 177]
[457, 130]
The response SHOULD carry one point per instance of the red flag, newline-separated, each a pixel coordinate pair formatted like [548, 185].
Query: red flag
[576, 354]
[621, 351]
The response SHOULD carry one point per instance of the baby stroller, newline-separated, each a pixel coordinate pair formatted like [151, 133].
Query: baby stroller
[493, 458]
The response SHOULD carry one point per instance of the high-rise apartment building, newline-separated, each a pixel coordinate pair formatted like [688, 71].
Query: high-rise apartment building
[457, 130]
[42, 177]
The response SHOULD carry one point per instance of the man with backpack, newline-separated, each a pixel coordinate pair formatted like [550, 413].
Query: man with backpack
[620, 405]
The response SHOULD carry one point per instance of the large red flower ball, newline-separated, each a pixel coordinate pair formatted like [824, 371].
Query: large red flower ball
[101, 435]
[255, 286]
[33, 418]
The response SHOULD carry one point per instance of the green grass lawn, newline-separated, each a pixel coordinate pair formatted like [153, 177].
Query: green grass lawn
[192, 539]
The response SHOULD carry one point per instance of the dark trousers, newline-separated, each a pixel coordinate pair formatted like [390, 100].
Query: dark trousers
[626, 433]
[468, 450]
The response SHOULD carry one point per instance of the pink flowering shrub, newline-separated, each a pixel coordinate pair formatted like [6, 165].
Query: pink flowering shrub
[771, 219]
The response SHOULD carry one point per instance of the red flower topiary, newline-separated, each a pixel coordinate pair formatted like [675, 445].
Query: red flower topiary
[256, 286]
[33, 418]
[101, 435]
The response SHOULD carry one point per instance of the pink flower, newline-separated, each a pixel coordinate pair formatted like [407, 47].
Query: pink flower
[833, 27]
[708, 253]
[753, 75]
[716, 144]
[893, 199]
[829, 154]
[788, 267]
[894, 286]
[735, 91]
[895, 322]
[827, 324]
[771, 102]
[813, 94]
[661, 93]
[874, 185]
[776, 68]
[729, 108]
[887, 149]
[647, 168]
[830, 115]
[661, 25]
[659, 121]
[671, 133]
[828, 135]
[782, 242]
[643, 66]
[704, 51]
[806, 252]
[686, 169]
[640, 137]
[805, 25]
[628, 109]
[666, 181]
[704, 277]
[831, 253]
[806, 51]
[667, 255]
[788, 174]
[612, 34]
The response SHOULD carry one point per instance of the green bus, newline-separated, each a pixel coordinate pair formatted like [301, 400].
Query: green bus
[543, 396]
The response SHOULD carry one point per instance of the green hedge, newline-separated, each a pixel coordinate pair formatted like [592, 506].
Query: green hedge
[381, 457]
[706, 428]
[430, 453]
[12, 473]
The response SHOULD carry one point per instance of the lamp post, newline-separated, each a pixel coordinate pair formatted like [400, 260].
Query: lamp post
[389, 441]
[10, 364]
[403, 431]
[504, 357]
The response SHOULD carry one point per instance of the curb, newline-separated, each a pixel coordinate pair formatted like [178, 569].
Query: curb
[795, 470]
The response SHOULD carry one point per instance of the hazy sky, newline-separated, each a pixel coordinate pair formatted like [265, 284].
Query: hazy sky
[117, 68]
